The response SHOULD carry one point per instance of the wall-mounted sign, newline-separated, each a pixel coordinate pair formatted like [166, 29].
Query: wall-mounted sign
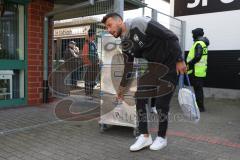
[191, 7]
[71, 31]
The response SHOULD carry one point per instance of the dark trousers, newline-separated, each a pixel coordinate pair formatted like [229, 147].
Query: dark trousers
[160, 96]
[91, 75]
[162, 105]
[197, 83]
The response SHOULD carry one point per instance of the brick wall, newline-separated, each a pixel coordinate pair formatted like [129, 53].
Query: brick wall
[36, 12]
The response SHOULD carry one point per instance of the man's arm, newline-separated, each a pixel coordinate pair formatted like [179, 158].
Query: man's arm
[128, 68]
[127, 75]
[197, 57]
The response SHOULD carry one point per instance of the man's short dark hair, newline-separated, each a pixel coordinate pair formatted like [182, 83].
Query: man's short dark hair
[91, 32]
[111, 15]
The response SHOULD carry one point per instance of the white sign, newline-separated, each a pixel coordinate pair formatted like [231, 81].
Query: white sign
[204, 3]
[71, 31]
[191, 7]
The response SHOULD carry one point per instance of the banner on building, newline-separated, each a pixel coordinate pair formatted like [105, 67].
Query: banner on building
[191, 7]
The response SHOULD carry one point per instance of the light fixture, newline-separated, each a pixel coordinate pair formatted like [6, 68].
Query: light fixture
[2, 8]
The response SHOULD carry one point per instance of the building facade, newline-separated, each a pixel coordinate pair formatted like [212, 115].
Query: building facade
[23, 40]
[219, 19]
[21, 51]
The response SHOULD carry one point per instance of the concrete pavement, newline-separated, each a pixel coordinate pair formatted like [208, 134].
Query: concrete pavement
[36, 133]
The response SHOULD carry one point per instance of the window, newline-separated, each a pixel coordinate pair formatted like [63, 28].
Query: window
[12, 68]
[12, 32]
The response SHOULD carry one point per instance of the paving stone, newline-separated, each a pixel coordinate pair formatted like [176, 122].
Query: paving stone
[35, 133]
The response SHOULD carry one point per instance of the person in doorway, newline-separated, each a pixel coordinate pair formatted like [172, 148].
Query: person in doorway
[91, 61]
[197, 65]
[71, 57]
[142, 37]
[72, 51]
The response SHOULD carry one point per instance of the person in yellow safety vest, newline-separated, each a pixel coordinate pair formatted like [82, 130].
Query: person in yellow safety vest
[197, 65]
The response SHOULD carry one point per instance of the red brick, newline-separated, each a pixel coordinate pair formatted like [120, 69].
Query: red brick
[35, 28]
[35, 23]
[35, 34]
[36, 12]
[33, 79]
[32, 68]
[33, 11]
[35, 46]
[35, 56]
[33, 101]
[34, 5]
[37, 73]
[34, 51]
[31, 90]
[34, 40]
[40, 68]
[32, 46]
[34, 96]
[36, 84]
[35, 17]
[35, 62]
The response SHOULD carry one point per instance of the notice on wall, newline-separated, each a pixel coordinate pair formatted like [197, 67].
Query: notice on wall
[71, 31]
[191, 7]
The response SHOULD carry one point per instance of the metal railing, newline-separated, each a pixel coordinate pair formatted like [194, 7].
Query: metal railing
[77, 72]
[68, 72]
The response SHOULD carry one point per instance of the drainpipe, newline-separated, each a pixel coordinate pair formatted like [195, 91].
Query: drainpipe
[45, 56]
[45, 61]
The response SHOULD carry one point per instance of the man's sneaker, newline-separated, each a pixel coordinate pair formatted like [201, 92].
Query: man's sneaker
[141, 143]
[159, 143]
[154, 110]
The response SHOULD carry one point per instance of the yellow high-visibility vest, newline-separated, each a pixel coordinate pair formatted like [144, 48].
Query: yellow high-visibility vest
[200, 68]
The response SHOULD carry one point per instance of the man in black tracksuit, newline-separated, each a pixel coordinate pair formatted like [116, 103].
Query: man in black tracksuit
[145, 38]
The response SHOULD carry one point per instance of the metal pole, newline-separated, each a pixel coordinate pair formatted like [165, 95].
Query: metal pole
[45, 61]
[183, 37]
[154, 14]
[143, 9]
[119, 6]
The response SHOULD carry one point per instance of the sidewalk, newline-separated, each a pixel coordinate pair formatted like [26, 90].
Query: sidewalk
[36, 133]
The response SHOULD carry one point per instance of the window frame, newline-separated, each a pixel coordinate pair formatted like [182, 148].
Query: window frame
[18, 64]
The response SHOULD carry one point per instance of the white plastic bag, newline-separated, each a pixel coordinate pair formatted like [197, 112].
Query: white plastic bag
[187, 101]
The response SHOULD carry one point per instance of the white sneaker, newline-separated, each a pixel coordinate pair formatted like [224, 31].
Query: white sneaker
[141, 143]
[154, 110]
[158, 143]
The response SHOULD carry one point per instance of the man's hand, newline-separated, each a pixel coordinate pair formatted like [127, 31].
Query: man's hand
[181, 67]
[120, 92]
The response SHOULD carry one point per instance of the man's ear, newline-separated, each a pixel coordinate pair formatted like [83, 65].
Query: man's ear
[119, 21]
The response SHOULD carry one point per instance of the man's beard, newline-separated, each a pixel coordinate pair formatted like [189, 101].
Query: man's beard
[119, 32]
